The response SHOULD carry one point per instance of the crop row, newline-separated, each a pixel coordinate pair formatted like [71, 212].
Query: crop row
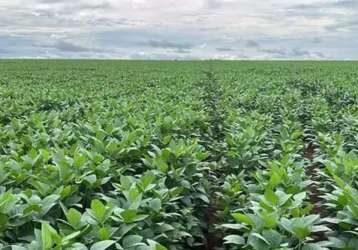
[179, 155]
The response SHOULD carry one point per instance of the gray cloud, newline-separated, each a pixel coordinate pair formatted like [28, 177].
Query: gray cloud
[327, 8]
[182, 51]
[80, 5]
[317, 40]
[326, 5]
[300, 53]
[4, 51]
[167, 44]
[345, 24]
[252, 44]
[161, 56]
[284, 53]
[55, 1]
[213, 4]
[336, 4]
[225, 49]
[11, 43]
[274, 52]
[345, 3]
[70, 47]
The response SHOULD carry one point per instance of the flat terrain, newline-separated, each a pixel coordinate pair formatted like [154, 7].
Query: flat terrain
[155, 155]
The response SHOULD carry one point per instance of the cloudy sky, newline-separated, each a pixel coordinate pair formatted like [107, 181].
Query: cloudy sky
[179, 29]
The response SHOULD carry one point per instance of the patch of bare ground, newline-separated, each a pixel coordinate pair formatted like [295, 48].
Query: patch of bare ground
[312, 173]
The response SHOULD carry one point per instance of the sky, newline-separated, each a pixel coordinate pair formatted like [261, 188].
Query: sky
[179, 29]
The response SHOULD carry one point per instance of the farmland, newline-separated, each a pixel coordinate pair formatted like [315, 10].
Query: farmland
[153, 155]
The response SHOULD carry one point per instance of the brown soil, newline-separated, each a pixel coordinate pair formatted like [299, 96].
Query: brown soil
[312, 172]
[213, 239]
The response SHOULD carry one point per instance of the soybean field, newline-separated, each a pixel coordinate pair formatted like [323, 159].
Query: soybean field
[178, 155]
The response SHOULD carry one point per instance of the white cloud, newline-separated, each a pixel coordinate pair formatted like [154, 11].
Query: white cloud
[196, 29]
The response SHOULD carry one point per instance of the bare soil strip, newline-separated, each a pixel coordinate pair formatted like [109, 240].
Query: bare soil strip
[312, 173]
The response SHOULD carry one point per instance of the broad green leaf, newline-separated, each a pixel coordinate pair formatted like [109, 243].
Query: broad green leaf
[99, 210]
[271, 197]
[313, 246]
[103, 233]
[155, 245]
[73, 217]
[101, 245]
[239, 217]
[46, 236]
[234, 239]
[131, 241]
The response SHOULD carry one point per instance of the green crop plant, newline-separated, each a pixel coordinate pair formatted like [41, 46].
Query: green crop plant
[155, 155]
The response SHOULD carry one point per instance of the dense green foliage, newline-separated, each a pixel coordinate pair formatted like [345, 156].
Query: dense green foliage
[178, 155]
